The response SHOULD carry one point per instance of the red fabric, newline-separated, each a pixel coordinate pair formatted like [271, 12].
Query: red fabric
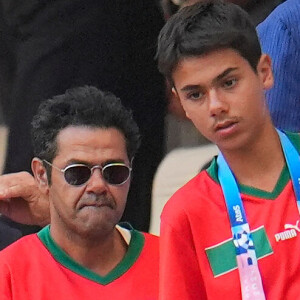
[196, 218]
[29, 272]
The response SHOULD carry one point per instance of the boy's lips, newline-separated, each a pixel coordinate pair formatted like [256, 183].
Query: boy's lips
[226, 128]
[224, 125]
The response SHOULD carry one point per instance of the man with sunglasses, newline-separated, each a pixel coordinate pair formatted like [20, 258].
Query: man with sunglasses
[84, 143]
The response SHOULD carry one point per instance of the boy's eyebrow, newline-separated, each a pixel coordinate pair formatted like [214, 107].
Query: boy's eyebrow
[224, 74]
[192, 87]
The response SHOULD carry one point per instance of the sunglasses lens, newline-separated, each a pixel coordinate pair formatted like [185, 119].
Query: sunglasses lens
[116, 174]
[77, 175]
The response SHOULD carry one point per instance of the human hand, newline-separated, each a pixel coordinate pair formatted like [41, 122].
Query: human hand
[21, 200]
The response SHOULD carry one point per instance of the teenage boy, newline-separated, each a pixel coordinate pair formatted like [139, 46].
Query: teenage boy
[231, 232]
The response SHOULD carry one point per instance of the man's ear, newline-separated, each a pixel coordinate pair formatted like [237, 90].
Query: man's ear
[264, 69]
[176, 97]
[40, 175]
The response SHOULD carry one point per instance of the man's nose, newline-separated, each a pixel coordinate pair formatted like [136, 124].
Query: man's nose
[217, 103]
[96, 183]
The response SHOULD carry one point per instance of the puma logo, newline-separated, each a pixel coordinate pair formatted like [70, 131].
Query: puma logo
[289, 233]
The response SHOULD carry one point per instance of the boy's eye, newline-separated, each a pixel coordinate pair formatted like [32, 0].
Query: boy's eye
[230, 83]
[194, 95]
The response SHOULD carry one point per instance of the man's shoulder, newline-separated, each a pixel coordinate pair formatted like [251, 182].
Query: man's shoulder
[150, 236]
[151, 246]
[146, 252]
[139, 239]
[137, 233]
[20, 249]
[152, 239]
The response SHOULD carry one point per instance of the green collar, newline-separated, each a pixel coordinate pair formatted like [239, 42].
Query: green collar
[134, 249]
[248, 190]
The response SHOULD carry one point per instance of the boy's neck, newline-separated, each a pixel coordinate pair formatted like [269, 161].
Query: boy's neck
[258, 166]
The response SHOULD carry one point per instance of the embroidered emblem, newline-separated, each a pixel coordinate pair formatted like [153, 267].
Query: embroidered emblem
[289, 233]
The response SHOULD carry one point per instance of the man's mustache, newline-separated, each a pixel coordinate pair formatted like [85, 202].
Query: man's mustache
[97, 201]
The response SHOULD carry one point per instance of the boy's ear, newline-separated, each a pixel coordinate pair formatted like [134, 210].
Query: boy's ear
[264, 69]
[174, 92]
[176, 97]
[40, 174]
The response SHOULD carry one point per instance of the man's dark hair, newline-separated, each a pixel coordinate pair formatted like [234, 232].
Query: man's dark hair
[204, 27]
[81, 106]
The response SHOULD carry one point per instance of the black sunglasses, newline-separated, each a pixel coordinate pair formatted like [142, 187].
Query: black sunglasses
[79, 174]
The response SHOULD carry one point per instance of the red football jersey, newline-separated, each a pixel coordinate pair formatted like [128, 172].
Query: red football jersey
[35, 268]
[198, 258]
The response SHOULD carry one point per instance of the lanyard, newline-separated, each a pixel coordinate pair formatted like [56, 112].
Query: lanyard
[293, 162]
[251, 283]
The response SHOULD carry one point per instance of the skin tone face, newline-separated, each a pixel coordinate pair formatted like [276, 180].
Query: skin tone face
[224, 97]
[90, 211]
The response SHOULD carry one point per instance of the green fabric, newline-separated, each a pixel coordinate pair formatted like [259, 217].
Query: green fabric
[134, 249]
[281, 183]
[222, 257]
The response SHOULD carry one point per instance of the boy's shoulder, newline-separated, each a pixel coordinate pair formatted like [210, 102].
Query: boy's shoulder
[295, 139]
[195, 194]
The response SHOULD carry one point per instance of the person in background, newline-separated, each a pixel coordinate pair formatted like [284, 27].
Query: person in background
[84, 143]
[51, 46]
[257, 9]
[279, 35]
[22, 202]
[231, 232]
